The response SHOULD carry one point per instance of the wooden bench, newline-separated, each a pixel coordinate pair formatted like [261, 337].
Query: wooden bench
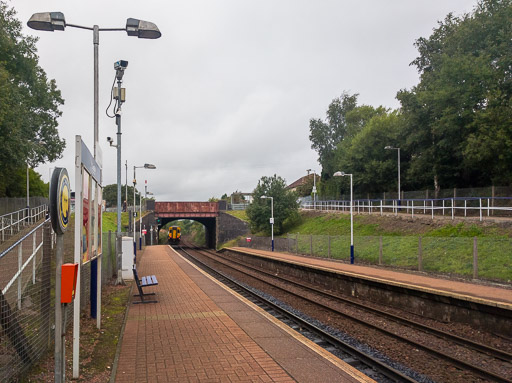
[144, 282]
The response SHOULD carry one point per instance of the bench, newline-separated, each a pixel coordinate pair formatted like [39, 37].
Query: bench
[144, 282]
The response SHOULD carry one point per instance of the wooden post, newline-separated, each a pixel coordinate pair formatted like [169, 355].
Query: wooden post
[475, 258]
[420, 255]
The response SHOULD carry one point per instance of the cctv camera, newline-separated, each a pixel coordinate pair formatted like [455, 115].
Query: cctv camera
[121, 65]
[109, 139]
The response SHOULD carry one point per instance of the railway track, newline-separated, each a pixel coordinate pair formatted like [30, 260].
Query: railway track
[453, 344]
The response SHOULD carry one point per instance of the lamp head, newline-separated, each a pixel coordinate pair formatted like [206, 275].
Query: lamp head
[339, 174]
[142, 29]
[47, 21]
[149, 166]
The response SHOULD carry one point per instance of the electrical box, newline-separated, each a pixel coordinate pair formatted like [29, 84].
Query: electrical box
[115, 94]
[68, 282]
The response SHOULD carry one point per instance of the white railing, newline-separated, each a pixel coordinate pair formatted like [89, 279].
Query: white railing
[481, 206]
[7, 260]
[12, 223]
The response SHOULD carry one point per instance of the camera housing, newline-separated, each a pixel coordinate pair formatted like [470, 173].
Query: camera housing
[121, 65]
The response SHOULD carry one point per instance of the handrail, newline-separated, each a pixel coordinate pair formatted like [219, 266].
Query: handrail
[3, 253]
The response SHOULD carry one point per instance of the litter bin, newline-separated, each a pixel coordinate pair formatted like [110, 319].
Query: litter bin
[127, 258]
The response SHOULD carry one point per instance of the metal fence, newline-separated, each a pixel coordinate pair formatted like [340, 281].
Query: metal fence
[12, 223]
[27, 282]
[479, 207]
[471, 257]
[8, 205]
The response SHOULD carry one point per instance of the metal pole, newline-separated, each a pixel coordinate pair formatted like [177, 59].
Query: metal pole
[96, 43]
[59, 331]
[134, 205]
[140, 221]
[399, 174]
[272, 214]
[351, 224]
[126, 185]
[119, 248]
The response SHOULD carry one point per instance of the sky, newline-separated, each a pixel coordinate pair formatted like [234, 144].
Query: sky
[225, 96]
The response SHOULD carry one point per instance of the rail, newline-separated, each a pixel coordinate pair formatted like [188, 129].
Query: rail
[457, 206]
[23, 265]
[13, 223]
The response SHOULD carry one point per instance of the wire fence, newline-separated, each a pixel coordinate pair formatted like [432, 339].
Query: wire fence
[469, 257]
[27, 296]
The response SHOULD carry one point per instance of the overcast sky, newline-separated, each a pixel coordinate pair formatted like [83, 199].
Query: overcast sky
[225, 96]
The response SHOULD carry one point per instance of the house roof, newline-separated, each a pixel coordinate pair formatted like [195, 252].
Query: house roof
[301, 181]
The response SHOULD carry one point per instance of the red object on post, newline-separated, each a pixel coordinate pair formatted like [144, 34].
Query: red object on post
[68, 282]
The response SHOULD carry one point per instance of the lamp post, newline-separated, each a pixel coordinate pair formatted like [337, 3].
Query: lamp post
[314, 187]
[398, 149]
[271, 216]
[55, 21]
[343, 174]
[145, 166]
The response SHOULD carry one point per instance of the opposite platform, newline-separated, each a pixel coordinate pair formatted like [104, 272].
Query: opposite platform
[201, 332]
[491, 295]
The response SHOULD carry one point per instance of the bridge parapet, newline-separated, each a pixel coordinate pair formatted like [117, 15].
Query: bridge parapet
[186, 209]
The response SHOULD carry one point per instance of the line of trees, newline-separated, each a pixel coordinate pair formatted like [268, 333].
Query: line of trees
[454, 128]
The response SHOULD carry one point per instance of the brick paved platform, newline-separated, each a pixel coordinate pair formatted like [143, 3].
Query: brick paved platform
[494, 295]
[200, 332]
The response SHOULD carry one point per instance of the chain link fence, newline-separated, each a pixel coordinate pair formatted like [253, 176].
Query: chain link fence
[27, 296]
[469, 257]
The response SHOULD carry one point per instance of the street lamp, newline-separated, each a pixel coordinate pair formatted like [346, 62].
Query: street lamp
[271, 216]
[145, 166]
[343, 174]
[392, 148]
[55, 21]
[314, 187]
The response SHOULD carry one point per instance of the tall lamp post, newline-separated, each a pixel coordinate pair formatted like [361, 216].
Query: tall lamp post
[314, 187]
[398, 149]
[145, 166]
[343, 174]
[271, 216]
[55, 21]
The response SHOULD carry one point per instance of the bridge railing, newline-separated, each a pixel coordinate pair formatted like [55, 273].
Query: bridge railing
[13, 223]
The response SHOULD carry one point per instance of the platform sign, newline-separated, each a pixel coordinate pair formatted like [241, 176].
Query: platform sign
[60, 203]
[88, 244]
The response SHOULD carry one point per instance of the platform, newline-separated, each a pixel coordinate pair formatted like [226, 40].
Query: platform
[492, 295]
[201, 332]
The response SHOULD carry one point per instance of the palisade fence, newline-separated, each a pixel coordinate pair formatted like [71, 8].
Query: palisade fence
[470, 202]
[27, 296]
[483, 258]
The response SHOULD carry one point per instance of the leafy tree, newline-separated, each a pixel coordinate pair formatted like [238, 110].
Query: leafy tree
[458, 117]
[110, 195]
[17, 184]
[29, 103]
[285, 205]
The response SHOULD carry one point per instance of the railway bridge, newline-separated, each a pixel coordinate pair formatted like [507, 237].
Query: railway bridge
[219, 226]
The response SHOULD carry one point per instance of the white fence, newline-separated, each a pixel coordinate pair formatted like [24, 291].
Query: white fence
[13, 223]
[460, 207]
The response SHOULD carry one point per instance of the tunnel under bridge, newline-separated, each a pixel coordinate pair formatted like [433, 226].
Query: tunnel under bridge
[219, 226]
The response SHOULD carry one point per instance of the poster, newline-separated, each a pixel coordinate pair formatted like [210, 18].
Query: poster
[85, 216]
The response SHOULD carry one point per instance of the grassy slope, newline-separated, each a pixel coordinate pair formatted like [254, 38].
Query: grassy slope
[446, 247]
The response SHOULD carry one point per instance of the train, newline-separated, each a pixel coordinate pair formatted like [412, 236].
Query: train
[174, 237]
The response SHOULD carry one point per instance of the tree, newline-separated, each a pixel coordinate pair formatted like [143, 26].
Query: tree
[285, 205]
[29, 103]
[110, 195]
[458, 117]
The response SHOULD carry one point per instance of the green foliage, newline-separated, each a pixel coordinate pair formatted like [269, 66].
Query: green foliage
[240, 214]
[29, 104]
[16, 185]
[285, 205]
[458, 117]
[110, 195]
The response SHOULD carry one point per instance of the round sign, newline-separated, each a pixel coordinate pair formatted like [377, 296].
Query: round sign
[60, 194]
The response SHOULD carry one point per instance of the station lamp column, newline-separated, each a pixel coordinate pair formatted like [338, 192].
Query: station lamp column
[392, 148]
[314, 187]
[145, 166]
[343, 174]
[55, 21]
[271, 216]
